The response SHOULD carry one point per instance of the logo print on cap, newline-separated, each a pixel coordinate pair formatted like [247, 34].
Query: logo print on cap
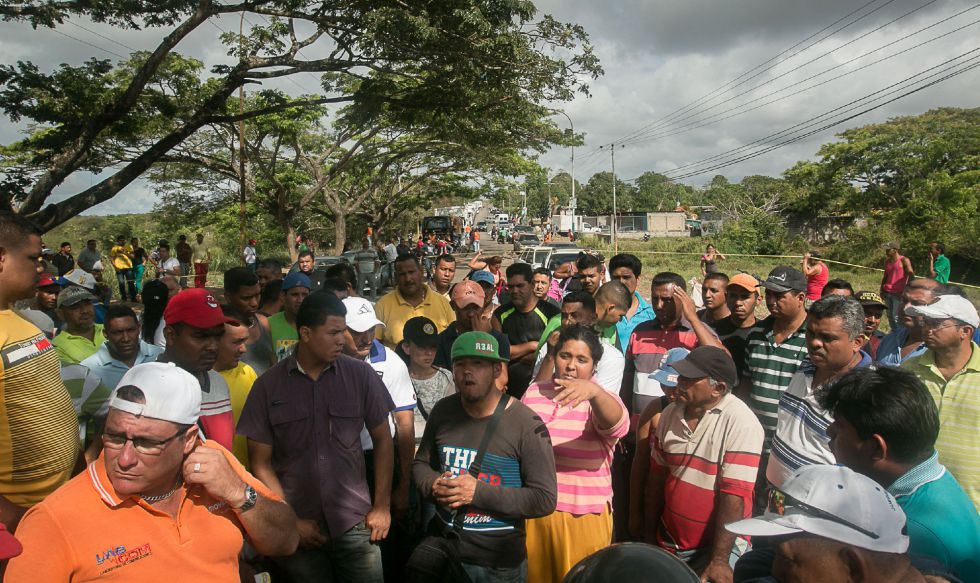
[780, 277]
[212, 303]
[429, 329]
[364, 309]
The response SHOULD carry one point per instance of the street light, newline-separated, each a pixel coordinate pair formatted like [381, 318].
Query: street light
[573, 202]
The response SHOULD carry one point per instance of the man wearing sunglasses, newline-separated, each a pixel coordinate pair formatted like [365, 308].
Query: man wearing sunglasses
[159, 501]
[829, 523]
[950, 369]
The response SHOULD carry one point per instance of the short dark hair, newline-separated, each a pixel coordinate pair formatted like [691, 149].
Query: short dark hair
[304, 253]
[846, 308]
[836, 284]
[407, 257]
[616, 293]
[65, 244]
[164, 245]
[15, 229]
[344, 272]
[890, 402]
[317, 307]
[271, 292]
[627, 260]
[273, 264]
[665, 277]
[940, 246]
[585, 334]
[238, 277]
[716, 275]
[522, 269]
[447, 258]
[542, 271]
[580, 297]
[587, 261]
[334, 284]
[115, 311]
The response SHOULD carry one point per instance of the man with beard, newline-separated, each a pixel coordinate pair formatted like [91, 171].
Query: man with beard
[410, 298]
[81, 336]
[469, 300]
[123, 349]
[194, 327]
[242, 296]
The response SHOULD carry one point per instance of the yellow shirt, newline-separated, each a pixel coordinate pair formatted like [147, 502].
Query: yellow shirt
[394, 311]
[120, 259]
[74, 349]
[39, 441]
[240, 380]
[958, 401]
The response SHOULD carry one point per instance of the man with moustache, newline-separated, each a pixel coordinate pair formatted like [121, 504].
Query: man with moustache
[194, 327]
[123, 349]
[410, 298]
[468, 302]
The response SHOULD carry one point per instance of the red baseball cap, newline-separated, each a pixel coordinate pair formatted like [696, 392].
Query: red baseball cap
[197, 308]
[9, 546]
[46, 280]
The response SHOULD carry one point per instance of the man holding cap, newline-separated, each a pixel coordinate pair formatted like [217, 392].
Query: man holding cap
[517, 479]
[705, 458]
[874, 308]
[469, 301]
[950, 369]
[833, 524]
[360, 343]
[282, 325]
[303, 420]
[194, 327]
[158, 503]
[81, 337]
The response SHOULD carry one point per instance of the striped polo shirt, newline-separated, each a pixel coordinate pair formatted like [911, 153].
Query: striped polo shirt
[583, 451]
[958, 401]
[771, 367]
[719, 456]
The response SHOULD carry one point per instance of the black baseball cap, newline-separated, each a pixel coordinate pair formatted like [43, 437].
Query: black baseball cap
[421, 331]
[708, 361]
[784, 279]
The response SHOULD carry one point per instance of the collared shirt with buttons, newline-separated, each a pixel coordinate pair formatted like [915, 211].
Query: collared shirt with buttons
[394, 310]
[314, 429]
[110, 370]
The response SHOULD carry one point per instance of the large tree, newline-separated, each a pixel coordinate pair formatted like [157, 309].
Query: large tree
[423, 62]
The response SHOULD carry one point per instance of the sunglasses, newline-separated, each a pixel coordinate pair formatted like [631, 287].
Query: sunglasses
[779, 502]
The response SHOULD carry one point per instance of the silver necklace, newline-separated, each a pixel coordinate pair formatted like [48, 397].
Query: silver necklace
[162, 497]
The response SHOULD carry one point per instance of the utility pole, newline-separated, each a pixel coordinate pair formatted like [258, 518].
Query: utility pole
[573, 202]
[615, 236]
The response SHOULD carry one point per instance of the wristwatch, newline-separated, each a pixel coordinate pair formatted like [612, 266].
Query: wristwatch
[250, 497]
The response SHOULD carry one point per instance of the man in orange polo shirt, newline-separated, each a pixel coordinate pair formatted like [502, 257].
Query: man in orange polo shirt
[158, 504]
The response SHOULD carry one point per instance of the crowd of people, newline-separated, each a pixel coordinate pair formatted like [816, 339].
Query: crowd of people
[505, 425]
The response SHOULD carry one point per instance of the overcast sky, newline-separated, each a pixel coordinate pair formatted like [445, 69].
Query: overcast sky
[661, 56]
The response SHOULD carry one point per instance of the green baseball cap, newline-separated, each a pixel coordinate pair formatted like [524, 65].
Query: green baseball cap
[477, 345]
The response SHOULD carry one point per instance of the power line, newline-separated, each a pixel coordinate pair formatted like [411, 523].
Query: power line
[98, 34]
[763, 64]
[705, 122]
[667, 122]
[947, 73]
[85, 42]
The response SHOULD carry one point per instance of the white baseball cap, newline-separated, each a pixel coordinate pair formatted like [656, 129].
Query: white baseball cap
[950, 306]
[360, 315]
[832, 502]
[171, 393]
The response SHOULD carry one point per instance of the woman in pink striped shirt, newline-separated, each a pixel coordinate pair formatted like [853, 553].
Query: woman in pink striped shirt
[585, 422]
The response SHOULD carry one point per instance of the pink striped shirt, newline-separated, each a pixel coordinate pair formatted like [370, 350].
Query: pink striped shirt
[583, 452]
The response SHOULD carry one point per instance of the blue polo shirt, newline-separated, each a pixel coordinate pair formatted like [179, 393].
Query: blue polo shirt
[110, 370]
[890, 349]
[942, 521]
[626, 325]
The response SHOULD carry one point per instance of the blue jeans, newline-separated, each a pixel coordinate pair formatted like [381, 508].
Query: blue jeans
[894, 306]
[481, 574]
[349, 558]
[697, 559]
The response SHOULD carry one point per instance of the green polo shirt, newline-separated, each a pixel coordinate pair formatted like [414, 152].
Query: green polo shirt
[74, 349]
[958, 400]
[941, 265]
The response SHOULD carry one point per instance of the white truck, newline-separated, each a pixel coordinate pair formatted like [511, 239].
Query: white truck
[562, 223]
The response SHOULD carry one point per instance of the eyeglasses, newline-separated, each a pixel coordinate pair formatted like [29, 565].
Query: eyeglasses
[932, 324]
[780, 501]
[142, 445]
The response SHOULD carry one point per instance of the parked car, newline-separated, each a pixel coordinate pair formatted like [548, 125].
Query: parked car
[562, 256]
[527, 240]
[535, 256]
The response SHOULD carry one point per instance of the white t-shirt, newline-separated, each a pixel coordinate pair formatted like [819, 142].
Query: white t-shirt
[170, 265]
[394, 374]
[249, 254]
[609, 372]
[158, 338]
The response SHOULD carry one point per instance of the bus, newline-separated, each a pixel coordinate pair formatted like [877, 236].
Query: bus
[440, 225]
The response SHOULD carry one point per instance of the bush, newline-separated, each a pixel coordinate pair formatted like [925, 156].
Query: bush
[757, 233]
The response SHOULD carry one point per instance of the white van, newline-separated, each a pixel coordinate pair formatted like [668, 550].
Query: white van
[502, 218]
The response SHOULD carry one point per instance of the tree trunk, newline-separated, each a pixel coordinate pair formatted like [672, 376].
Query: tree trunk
[340, 231]
[291, 243]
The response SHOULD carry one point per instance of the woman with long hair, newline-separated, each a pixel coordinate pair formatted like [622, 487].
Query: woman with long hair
[156, 294]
